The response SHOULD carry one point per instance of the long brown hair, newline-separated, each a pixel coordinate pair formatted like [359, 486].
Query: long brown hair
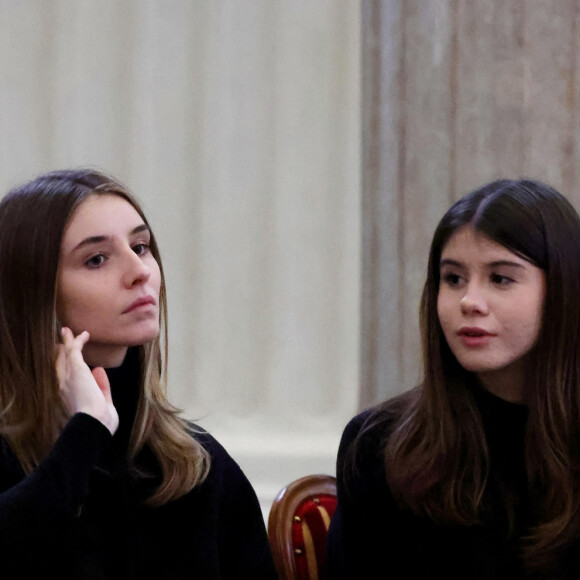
[33, 218]
[436, 455]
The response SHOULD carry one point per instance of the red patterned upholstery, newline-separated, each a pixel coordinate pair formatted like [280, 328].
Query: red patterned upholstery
[298, 525]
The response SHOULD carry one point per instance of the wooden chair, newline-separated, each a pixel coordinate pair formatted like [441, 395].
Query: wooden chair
[298, 525]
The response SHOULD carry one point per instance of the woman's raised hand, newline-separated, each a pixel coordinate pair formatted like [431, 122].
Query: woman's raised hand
[83, 390]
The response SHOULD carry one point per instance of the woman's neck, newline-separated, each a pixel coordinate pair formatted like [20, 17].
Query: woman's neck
[507, 383]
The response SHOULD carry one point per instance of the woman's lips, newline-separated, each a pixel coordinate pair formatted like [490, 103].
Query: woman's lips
[473, 336]
[140, 302]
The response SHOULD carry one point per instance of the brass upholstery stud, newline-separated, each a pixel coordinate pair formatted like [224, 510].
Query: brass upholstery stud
[297, 519]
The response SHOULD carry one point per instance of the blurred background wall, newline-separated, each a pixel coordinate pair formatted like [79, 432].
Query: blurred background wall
[237, 124]
[294, 157]
[455, 93]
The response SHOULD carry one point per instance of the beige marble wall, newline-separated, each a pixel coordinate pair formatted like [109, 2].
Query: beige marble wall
[455, 93]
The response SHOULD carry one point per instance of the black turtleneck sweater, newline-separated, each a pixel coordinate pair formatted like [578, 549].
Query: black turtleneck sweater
[372, 537]
[82, 515]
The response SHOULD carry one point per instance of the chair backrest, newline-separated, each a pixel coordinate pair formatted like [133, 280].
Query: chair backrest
[298, 526]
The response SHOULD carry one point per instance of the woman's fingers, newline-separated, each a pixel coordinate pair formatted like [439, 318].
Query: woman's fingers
[68, 353]
[74, 344]
[83, 390]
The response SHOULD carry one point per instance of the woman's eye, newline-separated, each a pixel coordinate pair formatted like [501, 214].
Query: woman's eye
[451, 279]
[95, 261]
[141, 249]
[500, 280]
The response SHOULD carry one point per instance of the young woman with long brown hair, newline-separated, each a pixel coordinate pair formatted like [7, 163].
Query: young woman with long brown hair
[475, 474]
[99, 475]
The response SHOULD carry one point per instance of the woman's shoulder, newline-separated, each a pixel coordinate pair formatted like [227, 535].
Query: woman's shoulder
[206, 440]
[229, 497]
[361, 449]
[362, 441]
[222, 464]
[375, 424]
[363, 430]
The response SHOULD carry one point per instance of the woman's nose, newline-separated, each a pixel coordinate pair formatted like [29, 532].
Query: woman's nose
[136, 270]
[473, 301]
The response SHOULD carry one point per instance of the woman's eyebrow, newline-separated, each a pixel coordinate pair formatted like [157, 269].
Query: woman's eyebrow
[139, 229]
[494, 264]
[506, 263]
[99, 239]
[449, 262]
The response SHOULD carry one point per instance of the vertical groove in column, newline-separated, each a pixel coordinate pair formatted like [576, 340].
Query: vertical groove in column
[370, 99]
[401, 176]
[47, 122]
[383, 183]
[526, 84]
[574, 90]
[453, 90]
[373, 201]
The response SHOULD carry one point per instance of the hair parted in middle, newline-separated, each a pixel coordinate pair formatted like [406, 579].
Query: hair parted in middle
[33, 219]
[436, 455]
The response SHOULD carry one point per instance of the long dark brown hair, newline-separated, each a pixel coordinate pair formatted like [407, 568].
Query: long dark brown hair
[33, 218]
[436, 455]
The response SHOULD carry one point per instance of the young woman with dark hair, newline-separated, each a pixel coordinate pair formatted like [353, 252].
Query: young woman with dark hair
[475, 474]
[100, 478]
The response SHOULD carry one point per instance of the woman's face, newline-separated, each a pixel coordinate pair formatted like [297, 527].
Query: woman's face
[108, 280]
[490, 306]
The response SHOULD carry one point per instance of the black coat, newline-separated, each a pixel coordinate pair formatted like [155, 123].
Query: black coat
[372, 537]
[81, 515]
